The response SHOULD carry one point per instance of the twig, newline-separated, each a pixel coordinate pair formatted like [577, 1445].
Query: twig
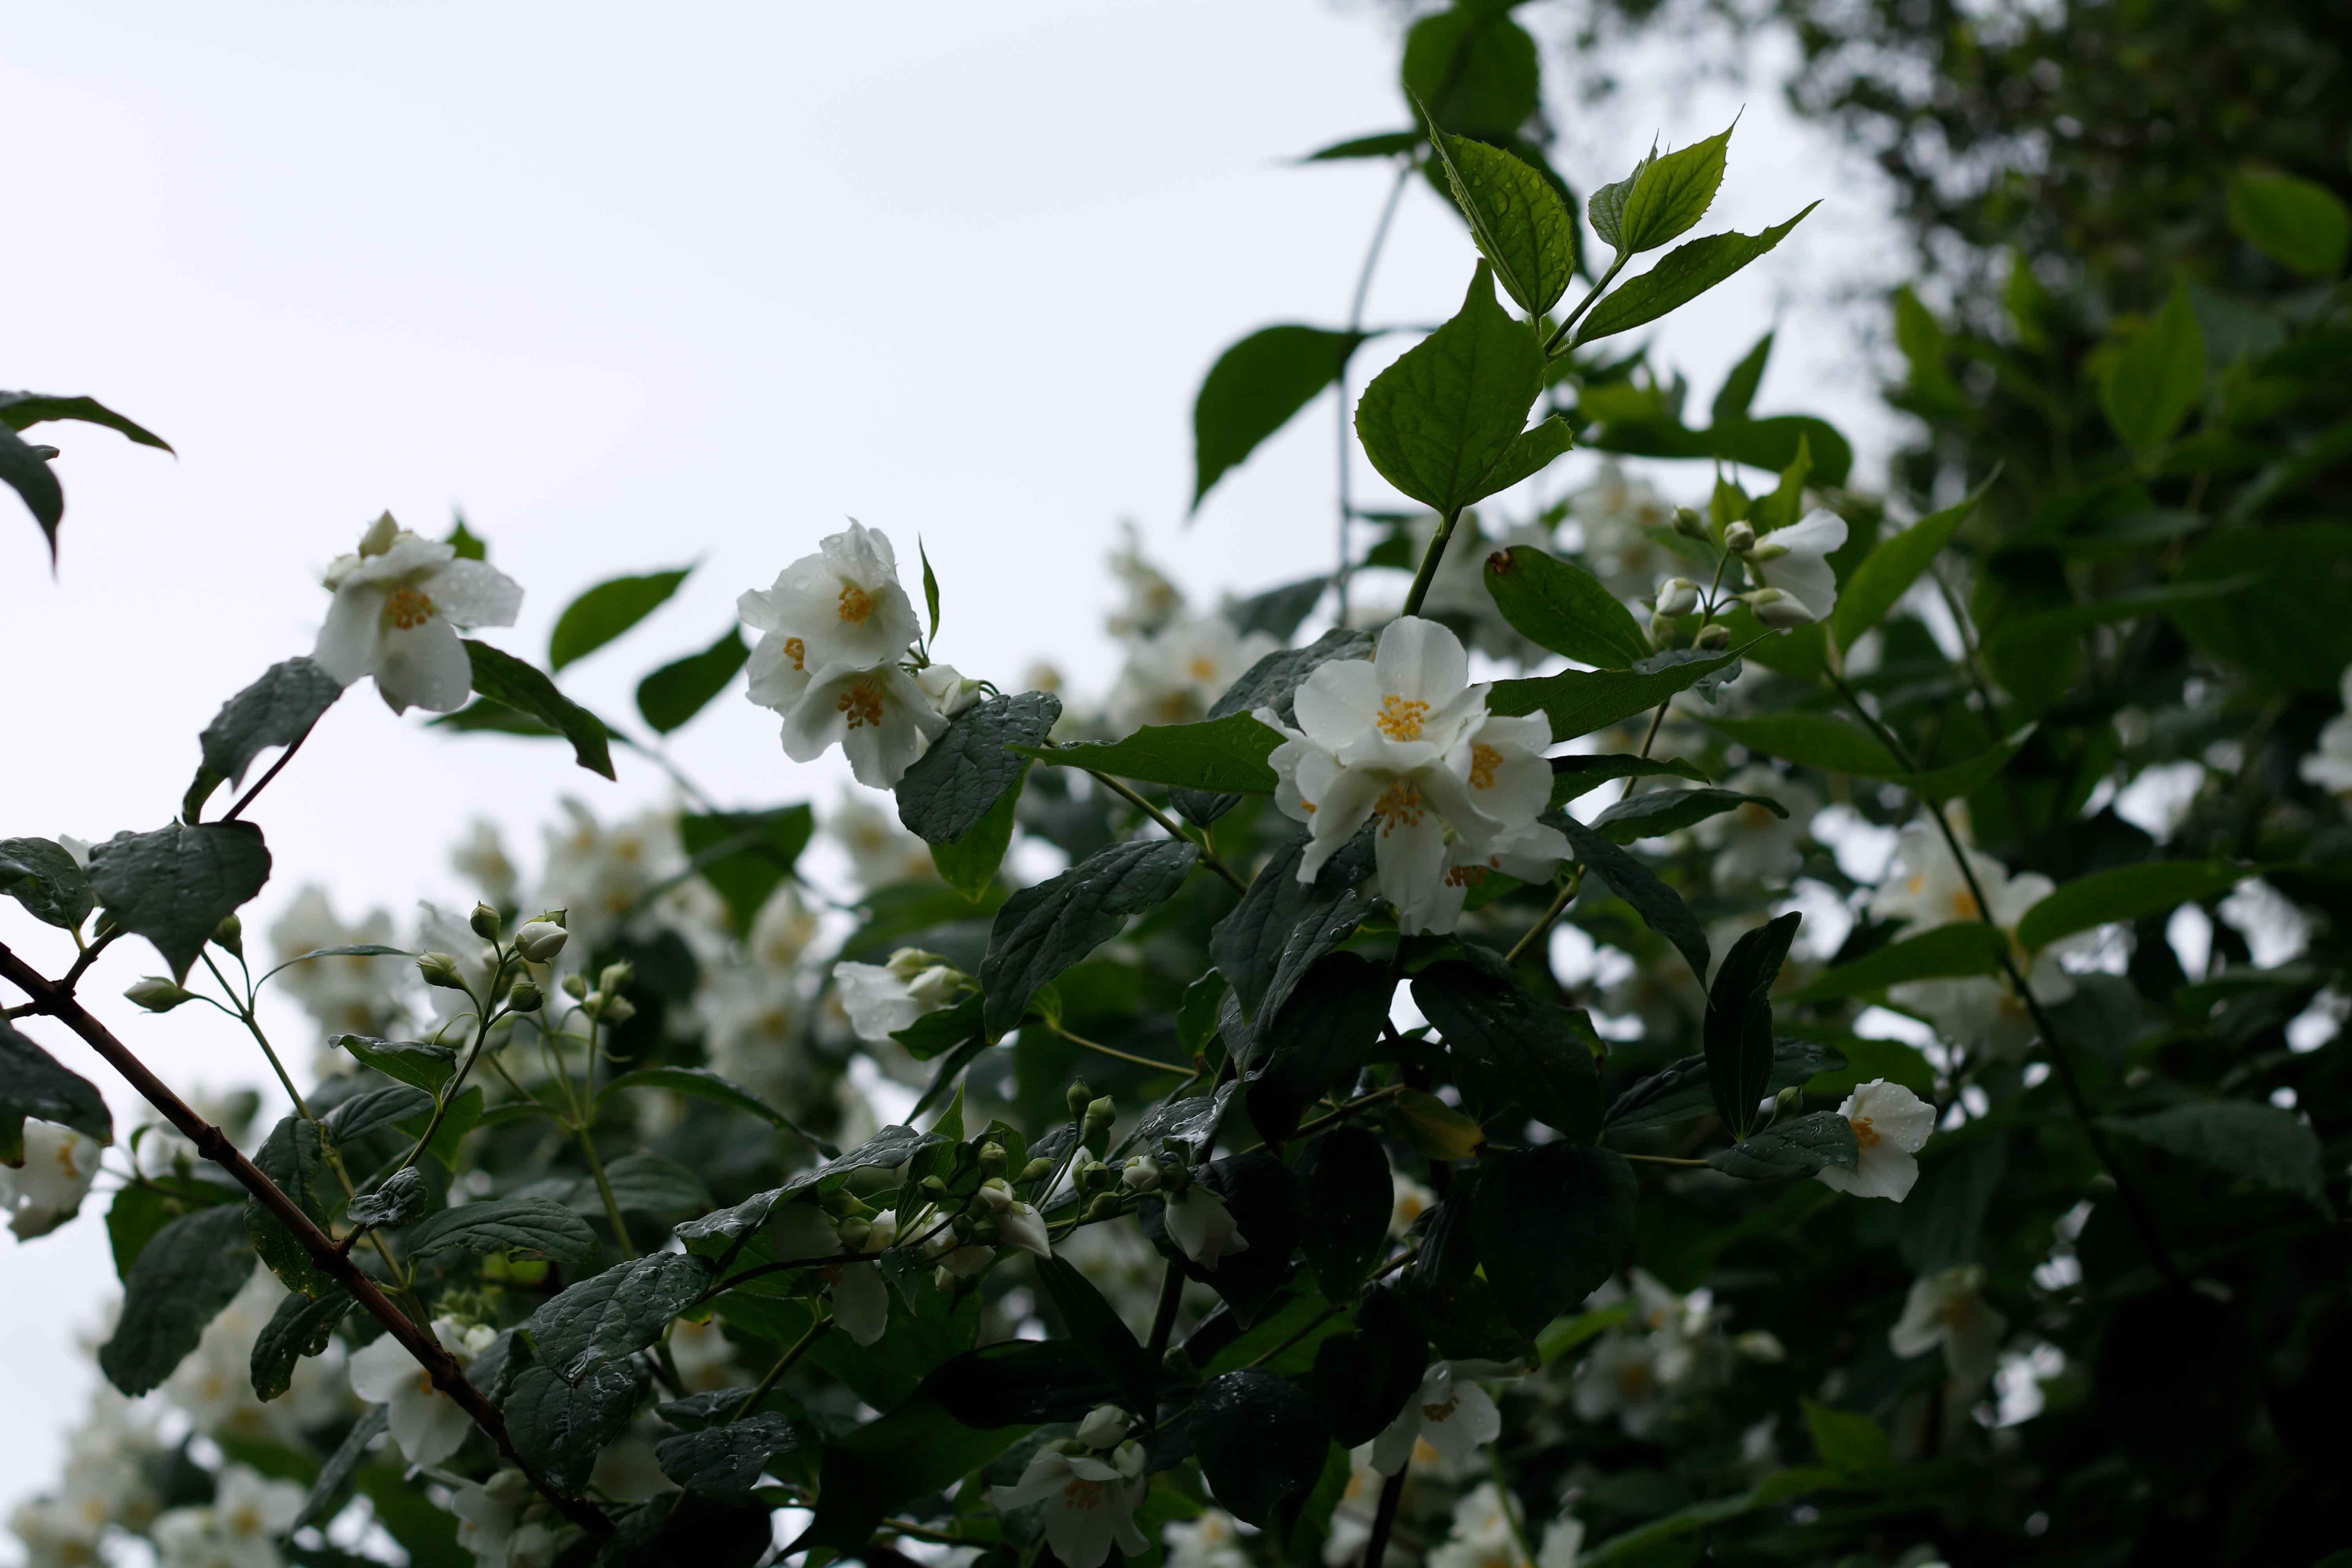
[783, 1364]
[1375, 1545]
[1123, 1056]
[276, 768]
[1558, 906]
[1208, 856]
[1429, 559]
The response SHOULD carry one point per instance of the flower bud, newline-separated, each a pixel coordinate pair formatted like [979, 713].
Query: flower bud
[1035, 1170]
[158, 995]
[1105, 1207]
[853, 1234]
[996, 1195]
[440, 969]
[1688, 523]
[1712, 636]
[1661, 631]
[992, 1159]
[1677, 596]
[1079, 1097]
[484, 922]
[1141, 1175]
[541, 941]
[933, 1188]
[1129, 1460]
[229, 935]
[1778, 610]
[380, 537]
[1104, 1427]
[614, 1009]
[1788, 1102]
[1100, 1114]
[1739, 538]
[525, 997]
[576, 987]
[616, 977]
[983, 1232]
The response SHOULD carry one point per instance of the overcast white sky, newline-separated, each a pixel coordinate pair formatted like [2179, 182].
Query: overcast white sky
[639, 288]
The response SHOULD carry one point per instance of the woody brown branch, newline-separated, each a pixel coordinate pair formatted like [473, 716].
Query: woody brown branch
[55, 1000]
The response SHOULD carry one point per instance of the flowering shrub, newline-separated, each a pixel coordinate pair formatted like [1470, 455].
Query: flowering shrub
[1428, 1117]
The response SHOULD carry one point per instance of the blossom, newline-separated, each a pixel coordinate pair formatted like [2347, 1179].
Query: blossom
[1617, 515]
[861, 1298]
[879, 717]
[1404, 739]
[841, 607]
[950, 690]
[1200, 1223]
[1752, 845]
[1152, 601]
[1482, 1534]
[1619, 1377]
[342, 994]
[1408, 1201]
[1453, 1413]
[1794, 563]
[881, 852]
[214, 1385]
[398, 604]
[704, 1359]
[1173, 675]
[1018, 1223]
[428, 1423]
[1090, 1491]
[609, 880]
[884, 998]
[1949, 1308]
[491, 1522]
[241, 1528]
[1891, 1124]
[47, 1190]
[2330, 766]
[1213, 1539]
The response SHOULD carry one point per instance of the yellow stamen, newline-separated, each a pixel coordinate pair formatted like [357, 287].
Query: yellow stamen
[797, 651]
[856, 604]
[1400, 805]
[407, 609]
[1865, 1134]
[1202, 668]
[1484, 760]
[1964, 905]
[862, 703]
[1082, 1493]
[1399, 717]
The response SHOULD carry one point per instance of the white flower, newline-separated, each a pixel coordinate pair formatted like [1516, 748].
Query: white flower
[1892, 1124]
[1173, 675]
[428, 1423]
[1408, 1201]
[879, 717]
[481, 858]
[755, 1027]
[1018, 1223]
[398, 604]
[782, 931]
[1481, 1535]
[1090, 1499]
[1403, 738]
[214, 1385]
[1925, 886]
[884, 998]
[861, 1298]
[950, 690]
[1454, 1414]
[1152, 601]
[47, 1190]
[55, 1534]
[1794, 561]
[1619, 1376]
[1617, 515]
[881, 852]
[1752, 846]
[1949, 1308]
[841, 607]
[342, 995]
[1211, 1539]
[1677, 596]
[489, 1521]
[1200, 1223]
[704, 1359]
[1563, 1542]
[2330, 767]
[241, 1528]
[604, 878]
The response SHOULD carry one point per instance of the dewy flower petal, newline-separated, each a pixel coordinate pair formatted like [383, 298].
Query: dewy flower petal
[1203, 1226]
[1452, 1412]
[395, 616]
[841, 605]
[1795, 560]
[878, 716]
[1891, 1124]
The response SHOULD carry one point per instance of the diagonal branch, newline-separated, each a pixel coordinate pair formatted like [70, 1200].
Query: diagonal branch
[214, 1145]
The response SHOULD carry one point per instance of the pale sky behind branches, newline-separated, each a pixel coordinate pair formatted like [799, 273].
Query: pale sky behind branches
[642, 287]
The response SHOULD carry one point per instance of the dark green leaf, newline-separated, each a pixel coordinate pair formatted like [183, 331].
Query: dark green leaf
[1282, 925]
[504, 1225]
[1278, 610]
[916, 1449]
[1326, 1029]
[1100, 1333]
[615, 1314]
[414, 1062]
[726, 1458]
[1787, 1150]
[1816, 741]
[1363, 1378]
[327, 1490]
[2298, 223]
[510, 682]
[967, 770]
[1345, 1189]
[1575, 776]
[1581, 702]
[1558, 604]
[1768, 443]
[192, 1269]
[1271, 682]
[2259, 1143]
[1937, 1225]
[1044, 930]
[1672, 810]
[174, 886]
[644, 1183]
[1551, 1224]
[934, 1034]
[2125, 893]
[560, 1423]
[1214, 756]
[25, 470]
[33, 1084]
[1020, 1382]
[1522, 1049]
[1530, 453]
[1738, 392]
[276, 710]
[2286, 628]
[1519, 218]
[400, 1199]
[1261, 1443]
[608, 610]
[39, 874]
[679, 690]
[23, 410]
[1847, 1440]
[300, 1327]
[1439, 420]
[1681, 1090]
[139, 1212]
[1681, 276]
[294, 1156]
[1386, 145]
[1890, 569]
[969, 864]
[1671, 192]
[1737, 1030]
[701, 1083]
[1962, 948]
[371, 1108]
[2152, 383]
[1255, 388]
[1660, 907]
[1473, 71]
[746, 855]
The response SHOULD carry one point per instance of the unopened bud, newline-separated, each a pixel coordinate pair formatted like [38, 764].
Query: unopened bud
[943, 1278]
[525, 997]
[853, 1234]
[1101, 1114]
[1141, 1175]
[1105, 1207]
[1661, 631]
[1035, 1170]
[616, 977]
[983, 1232]
[1677, 596]
[1788, 1101]
[1079, 1097]
[1714, 635]
[933, 1188]
[229, 935]
[576, 987]
[1739, 538]
[440, 969]
[1778, 610]
[992, 1160]
[615, 1009]
[484, 922]
[158, 995]
[1104, 1426]
[1688, 523]
[541, 941]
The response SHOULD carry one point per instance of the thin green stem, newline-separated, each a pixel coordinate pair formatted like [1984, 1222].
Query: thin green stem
[243, 1015]
[1662, 1160]
[1350, 1109]
[1429, 559]
[1208, 857]
[1558, 906]
[1114, 1051]
[783, 1364]
[1553, 343]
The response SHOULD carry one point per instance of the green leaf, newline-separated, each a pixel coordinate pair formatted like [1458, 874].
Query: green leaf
[931, 587]
[508, 680]
[400, 1199]
[174, 886]
[1261, 1442]
[139, 1212]
[1281, 926]
[1962, 948]
[1606, 211]
[1518, 217]
[1939, 1225]
[1559, 605]
[1255, 388]
[1816, 741]
[1768, 443]
[1660, 907]
[1345, 1187]
[1888, 571]
[372, 1109]
[701, 1083]
[2259, 1143]
[728, 1458]
[608, 610]
[25, 469]
[1298, 1054]
[300, 1327]
[1385, 144]
[1439, 420]
[560, 1421]
[1681, 274]
[1786, 503]
[326, 1492]
[1739, 391]
[1531, 452]
[1522, 1048]
[1634, 1546]
[1672, 810]
[1738, 1028]
[503, 1225]
[192, 1268]
[917, 1449]
[1473, 71]
[294, 1156]
[2125, 893]
[1670, 194]
[1044, 930]
[32, 1085]
[415, 1062]
[1847, 1440]
[2300, 224]
[1215, 756]
[40, 875]
[1551, 1223]
[1100, 1333]
[1967, 776]
[1573, 777]
[679, 690]
[963, 774]
[2286, 627]
[276, 710]
[2150, 384]
[1271, 682]
[1363, 1378]
[969, 863]
[1788, 1149]
[644, 1183]
[1581, 702]
[1683, 1090]
[618, 1312]
[23, 410]
[746, 855]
